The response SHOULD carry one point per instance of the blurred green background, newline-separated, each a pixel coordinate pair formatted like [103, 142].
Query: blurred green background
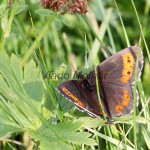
[70, 42]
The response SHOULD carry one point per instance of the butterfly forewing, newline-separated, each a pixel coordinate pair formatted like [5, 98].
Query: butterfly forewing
[120, 68]
[83, 97]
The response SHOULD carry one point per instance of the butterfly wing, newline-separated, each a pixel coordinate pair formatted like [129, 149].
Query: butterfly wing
[118, 100]
[83, 97]
[120, 68]
[116, 79]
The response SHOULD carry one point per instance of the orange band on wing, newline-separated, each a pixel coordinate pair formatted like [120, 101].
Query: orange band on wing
[128, 64]
[124, 102]
[126, 96]
[75, 99]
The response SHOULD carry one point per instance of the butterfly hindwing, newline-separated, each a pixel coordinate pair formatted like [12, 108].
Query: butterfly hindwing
[118, 101]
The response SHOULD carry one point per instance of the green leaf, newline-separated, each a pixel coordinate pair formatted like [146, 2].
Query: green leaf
[20, 8]
[58, 23]
[68, 129]
[4, 87]
[89, 122]
[111, 140]
[69, 126]
[61, 135]
[67, 22]
[7, 129]
[44, 12]
[48, 140]
[4, 21]
[20, 87]
[16, 67]
[22, 2]
[31, 72]
[2, 9]
[78, 138]
[146, 135]
[34, 90]
[129, 120]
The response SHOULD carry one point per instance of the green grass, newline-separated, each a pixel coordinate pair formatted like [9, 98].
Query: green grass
[35, 41]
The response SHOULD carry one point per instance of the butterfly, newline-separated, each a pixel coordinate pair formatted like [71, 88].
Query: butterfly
[116, 78]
